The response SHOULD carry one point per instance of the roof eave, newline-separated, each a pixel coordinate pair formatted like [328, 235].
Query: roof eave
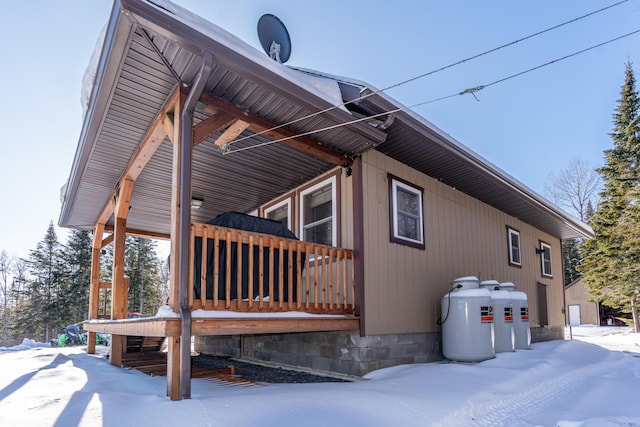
[423, 126]
[118, 34]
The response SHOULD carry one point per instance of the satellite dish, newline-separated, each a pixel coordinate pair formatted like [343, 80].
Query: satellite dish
[274, 38]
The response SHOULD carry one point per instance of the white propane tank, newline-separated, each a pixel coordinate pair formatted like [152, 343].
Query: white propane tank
[504, 334]
[520, 316]
[467, 322]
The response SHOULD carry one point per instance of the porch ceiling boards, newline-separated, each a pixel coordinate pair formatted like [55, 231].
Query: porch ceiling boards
[142, 62]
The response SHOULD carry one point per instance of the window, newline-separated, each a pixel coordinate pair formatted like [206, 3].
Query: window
[545, 259]
[406, 216]
[280, 211]
[318, 213]
[513, 237]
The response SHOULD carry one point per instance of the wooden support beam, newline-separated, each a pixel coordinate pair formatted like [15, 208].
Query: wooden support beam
[211, 126]
[144, 327]
[152, 139]
[104, 285]
[232, 132]
[273, 325]
[94, 284]
[138, 233]
[148, 146]
[120, 285]
[119, 293]
[107, 211]
[258, 124]
[107, 239]
[173, 367]
[173, 344]
[167, 124]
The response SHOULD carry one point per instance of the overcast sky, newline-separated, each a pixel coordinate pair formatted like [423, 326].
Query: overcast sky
[528, 126]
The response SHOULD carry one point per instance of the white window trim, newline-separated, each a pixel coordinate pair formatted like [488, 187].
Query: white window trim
[546, 248]
[334, 208]
[278, 205]
[395, 184]
[510, 233]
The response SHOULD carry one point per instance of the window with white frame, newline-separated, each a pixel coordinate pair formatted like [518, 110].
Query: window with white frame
[545, 259]
[280, 211]
[406, 220]
[318, 213]
[513, 237]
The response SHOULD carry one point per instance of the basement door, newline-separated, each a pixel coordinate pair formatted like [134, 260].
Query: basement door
[574, 315]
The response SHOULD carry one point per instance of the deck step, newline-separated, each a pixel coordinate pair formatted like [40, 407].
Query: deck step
[155, 364]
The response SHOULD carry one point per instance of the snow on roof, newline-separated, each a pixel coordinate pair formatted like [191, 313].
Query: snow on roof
[322, 87]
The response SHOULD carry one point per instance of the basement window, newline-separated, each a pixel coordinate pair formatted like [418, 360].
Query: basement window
[406, 216]
[513, 237]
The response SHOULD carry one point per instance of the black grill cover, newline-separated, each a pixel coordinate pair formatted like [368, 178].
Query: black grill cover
[247, 223]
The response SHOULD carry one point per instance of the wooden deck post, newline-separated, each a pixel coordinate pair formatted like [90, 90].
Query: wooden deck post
[119, 287]
[173, 343]
[94, 285]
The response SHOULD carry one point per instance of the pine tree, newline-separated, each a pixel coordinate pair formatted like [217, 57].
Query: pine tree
[571, 259]
[142, 268]
[43, 310]
[6, 265]
[77, 257]
[611, 258]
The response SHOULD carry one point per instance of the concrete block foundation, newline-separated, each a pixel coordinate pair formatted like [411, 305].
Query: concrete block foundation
[330, 352]
[339, 352]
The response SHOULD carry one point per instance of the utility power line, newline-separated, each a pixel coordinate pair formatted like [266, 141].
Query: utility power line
[471, 91]
[412, 79]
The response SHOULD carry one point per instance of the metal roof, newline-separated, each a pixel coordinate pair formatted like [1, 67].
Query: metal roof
[150, 48]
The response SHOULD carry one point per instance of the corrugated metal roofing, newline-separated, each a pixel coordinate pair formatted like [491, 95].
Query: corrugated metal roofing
[148, 49]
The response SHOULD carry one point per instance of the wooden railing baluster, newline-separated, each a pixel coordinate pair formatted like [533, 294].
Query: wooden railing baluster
[250, 274]
[192, 239]
[238, 239]
[261, 270]
[203, 268]
[280, 273]
[227, 285]
[299, 258]
[216, 267]
[309, 277]
[271, 278]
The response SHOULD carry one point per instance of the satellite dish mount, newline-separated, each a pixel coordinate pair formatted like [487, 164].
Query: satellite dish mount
[274, 38]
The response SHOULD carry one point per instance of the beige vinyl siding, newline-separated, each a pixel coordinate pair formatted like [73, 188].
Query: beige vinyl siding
[463, 236]
[577, 294]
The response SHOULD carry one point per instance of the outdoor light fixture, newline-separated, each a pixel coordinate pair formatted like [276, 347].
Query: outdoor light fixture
[539, 251]
[196, 202]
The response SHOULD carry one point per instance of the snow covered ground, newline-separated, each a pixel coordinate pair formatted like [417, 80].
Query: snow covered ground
[592, 380]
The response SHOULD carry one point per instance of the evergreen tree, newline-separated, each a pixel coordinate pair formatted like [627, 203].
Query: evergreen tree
[43, 311]
[611, 258]
[77, 257]
[142, 269]
[6, 265]
[106, 272]
[571, 259]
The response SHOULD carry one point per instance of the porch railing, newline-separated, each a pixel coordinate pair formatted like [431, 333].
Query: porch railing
[243, 271]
